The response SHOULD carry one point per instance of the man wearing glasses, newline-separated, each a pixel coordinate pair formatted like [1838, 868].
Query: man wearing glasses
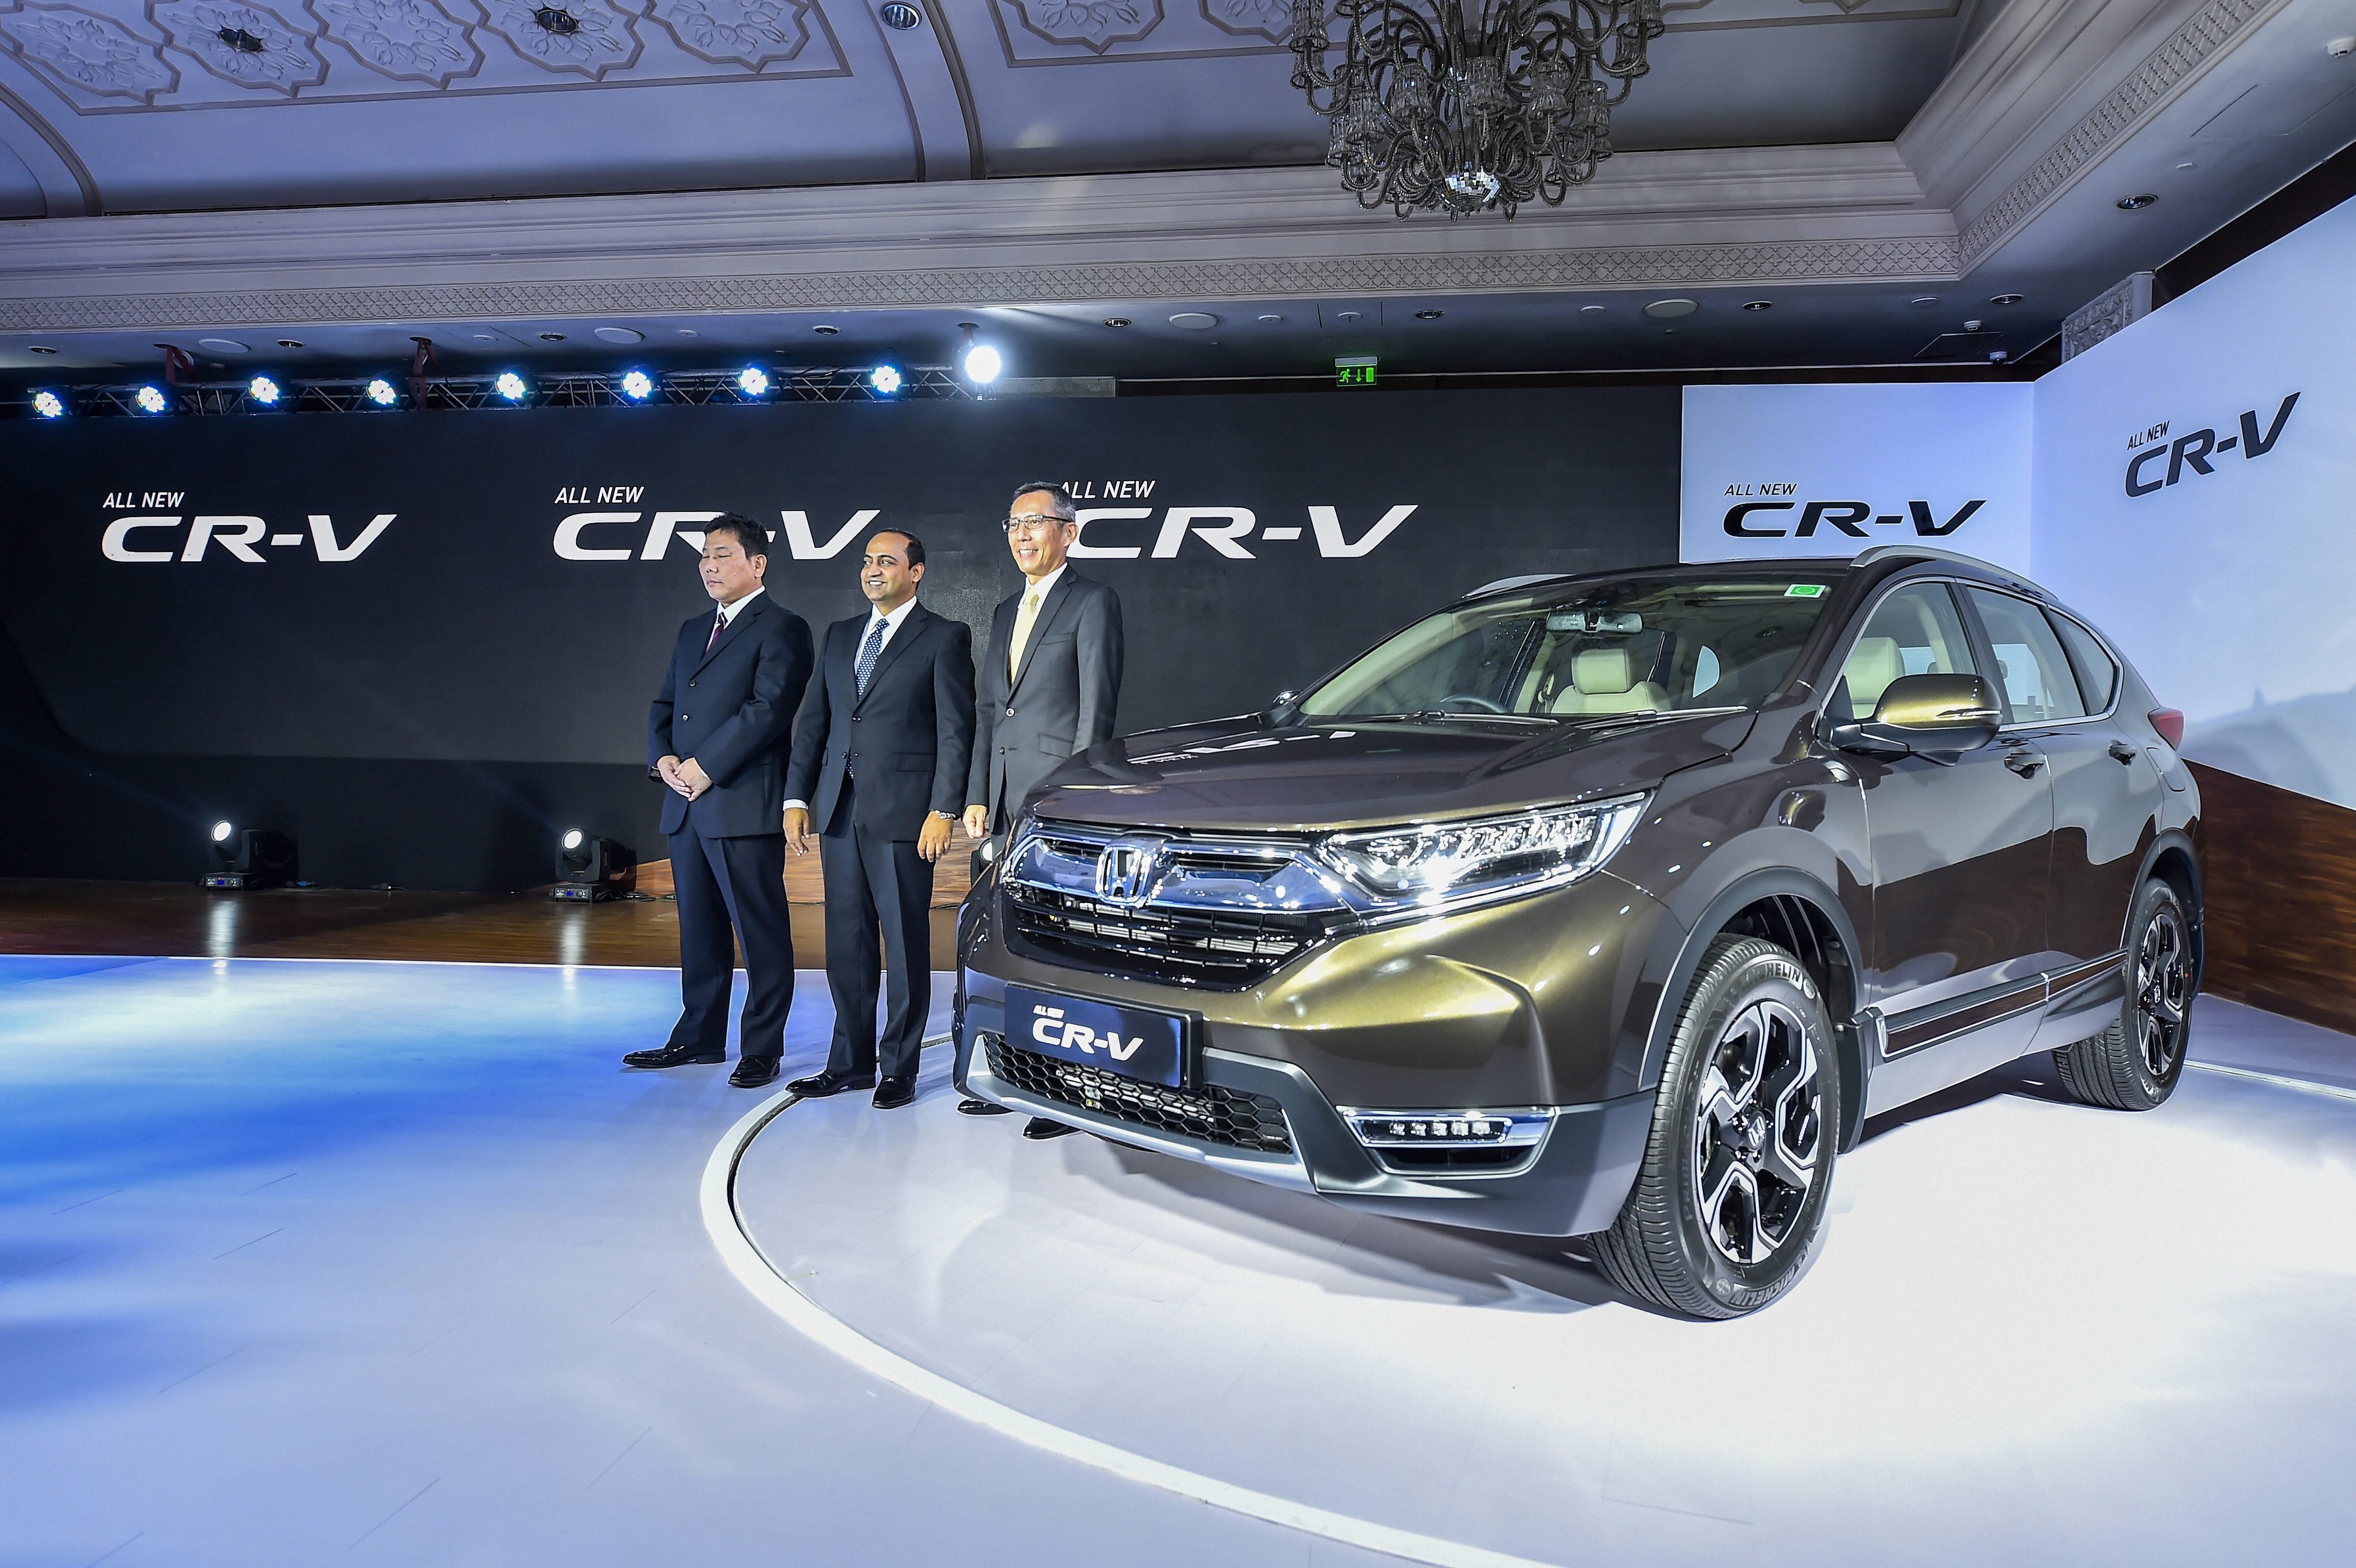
[1050, 681]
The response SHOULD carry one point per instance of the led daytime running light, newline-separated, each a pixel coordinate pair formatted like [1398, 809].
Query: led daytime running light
[1440, 859]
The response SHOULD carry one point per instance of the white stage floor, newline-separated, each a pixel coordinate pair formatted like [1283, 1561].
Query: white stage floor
[304, 1262]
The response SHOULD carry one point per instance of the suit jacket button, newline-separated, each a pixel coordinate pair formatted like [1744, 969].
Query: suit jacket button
[685, 717]
[691, 683]
[855, 719]
[1010, 713]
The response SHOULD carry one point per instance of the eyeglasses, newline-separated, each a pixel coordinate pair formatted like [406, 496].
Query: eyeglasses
[1034, 523]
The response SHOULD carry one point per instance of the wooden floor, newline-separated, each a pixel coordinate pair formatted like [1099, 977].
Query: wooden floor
[182, 921]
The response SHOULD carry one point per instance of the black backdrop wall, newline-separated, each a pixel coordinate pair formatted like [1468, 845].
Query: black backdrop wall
[424, 643]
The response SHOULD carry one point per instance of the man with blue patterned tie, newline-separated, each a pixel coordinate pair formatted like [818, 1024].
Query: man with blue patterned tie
[879, 771]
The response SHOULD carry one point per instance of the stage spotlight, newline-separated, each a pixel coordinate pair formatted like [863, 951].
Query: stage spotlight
[981, 363]
[49, 405]
[752, 381]
[253, 857]
[592, 870]
[885, 378]
[151, 399]
[263, 390]
[637, 386]
[382, 393]
[511, 387]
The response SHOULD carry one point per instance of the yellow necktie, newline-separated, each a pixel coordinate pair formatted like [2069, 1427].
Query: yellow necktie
[1024, 618]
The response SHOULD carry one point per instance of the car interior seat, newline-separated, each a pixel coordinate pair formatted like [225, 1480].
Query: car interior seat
[1603, 680]
[1872, 665]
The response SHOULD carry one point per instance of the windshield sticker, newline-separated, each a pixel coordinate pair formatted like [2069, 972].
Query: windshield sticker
[1804, 591]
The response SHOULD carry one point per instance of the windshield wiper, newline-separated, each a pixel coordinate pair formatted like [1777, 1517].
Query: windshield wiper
[1420, 714]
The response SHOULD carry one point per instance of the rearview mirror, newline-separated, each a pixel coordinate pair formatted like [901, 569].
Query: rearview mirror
[1945, 713]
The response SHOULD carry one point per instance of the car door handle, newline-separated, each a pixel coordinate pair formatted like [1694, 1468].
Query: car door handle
[2122, 752]
[2025, 763]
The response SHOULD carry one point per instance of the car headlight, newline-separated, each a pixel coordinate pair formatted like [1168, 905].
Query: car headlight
[1438, 862]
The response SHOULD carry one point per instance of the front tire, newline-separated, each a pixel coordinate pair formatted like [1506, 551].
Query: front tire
[1728, 1207]
[2133, 1064]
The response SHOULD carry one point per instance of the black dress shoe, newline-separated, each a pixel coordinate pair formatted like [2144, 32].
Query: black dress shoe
[1039, 1129]
[753, 1071]
[891, 1093]
[672, 1056]
[819, 1086]
[981, 1108]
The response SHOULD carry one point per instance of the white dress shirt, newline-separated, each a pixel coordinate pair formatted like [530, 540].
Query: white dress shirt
[728, 612]
[891, 625]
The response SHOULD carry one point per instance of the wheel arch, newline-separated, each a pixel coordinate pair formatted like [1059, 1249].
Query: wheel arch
[2175, 860]
[1796, 911]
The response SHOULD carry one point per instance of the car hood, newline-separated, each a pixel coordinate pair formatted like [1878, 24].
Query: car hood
[1238, 774]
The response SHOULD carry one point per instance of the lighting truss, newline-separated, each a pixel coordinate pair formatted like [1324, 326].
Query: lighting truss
[591, 389]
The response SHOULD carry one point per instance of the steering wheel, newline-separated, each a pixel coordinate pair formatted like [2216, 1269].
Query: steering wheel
[1470, 699]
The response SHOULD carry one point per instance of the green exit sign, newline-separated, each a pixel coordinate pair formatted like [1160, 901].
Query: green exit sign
[1355, 371]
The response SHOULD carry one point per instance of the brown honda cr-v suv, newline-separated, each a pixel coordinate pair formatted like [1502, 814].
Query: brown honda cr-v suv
[1609, 906]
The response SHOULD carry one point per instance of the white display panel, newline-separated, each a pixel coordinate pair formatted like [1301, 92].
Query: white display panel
[2195, 477]
[1773, 471]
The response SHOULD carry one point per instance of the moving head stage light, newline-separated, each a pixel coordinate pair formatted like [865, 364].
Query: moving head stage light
[255, 857]
[592, 870]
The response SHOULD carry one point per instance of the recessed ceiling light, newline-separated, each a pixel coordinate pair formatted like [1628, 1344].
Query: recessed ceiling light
[1271, 316]
[2186, 164]
[1923, 302]
[1973, 326]
[42, 349]
[290, 343]
[2004, 299]
[826, 331]
[2136, 202]
[486, 337]
[1116, 321]
[621, 334]
[1591, 309]
[551, 337]
[1194, 320]
[1669, 310]
[1348, 316]
[1758, 305]
[1427, 316]
[221, 345]
[688, 332]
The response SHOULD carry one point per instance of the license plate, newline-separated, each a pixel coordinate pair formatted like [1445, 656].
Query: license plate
[1132, 1042]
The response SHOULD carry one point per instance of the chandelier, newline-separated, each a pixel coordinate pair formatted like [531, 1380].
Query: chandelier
[1440, 106]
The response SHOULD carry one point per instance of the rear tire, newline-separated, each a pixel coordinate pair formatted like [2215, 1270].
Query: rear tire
[1728, 1209]
[2133, 1064]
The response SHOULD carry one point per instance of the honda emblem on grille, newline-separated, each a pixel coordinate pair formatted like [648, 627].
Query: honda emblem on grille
[1125, 870]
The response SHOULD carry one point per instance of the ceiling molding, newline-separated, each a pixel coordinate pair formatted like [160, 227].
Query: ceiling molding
[1759, 215]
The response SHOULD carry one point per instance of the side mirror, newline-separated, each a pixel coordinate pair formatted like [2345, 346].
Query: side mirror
[1279, 711]
[1947, 713]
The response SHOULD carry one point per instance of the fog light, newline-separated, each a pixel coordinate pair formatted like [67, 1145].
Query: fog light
[1447, 1129]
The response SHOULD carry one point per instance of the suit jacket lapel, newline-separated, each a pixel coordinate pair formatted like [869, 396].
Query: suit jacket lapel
[729, 634]
[910, 629]
[1049, 609]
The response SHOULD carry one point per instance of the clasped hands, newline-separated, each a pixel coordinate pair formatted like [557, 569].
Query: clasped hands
[932, 839]
[687, 777]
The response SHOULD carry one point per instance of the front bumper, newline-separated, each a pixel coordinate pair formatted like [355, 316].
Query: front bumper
[1573, 1180]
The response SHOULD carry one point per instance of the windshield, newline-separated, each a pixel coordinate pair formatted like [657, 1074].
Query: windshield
[1628, 645]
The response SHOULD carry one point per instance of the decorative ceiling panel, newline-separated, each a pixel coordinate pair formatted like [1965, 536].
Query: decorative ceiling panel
[129, 55]
[1079, 32]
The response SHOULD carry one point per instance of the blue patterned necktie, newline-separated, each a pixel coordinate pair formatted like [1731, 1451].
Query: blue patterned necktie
[869, 652]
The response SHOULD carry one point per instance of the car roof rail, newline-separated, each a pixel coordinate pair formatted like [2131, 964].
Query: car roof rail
[1504, 583]
[1924, 552]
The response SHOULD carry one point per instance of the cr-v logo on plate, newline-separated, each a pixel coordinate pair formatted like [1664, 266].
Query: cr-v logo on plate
[2192, 451]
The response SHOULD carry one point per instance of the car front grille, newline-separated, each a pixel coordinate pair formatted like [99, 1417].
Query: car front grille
[1217, 949]
[1211, 1114]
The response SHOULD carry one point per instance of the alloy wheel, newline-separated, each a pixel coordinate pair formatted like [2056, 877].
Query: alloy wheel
[2163, 986]
[1757, 1133]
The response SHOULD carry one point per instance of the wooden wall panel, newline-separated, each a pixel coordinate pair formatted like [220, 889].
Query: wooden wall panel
[2281, 894]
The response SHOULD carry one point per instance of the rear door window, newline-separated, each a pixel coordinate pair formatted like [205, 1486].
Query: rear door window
[2038, 684]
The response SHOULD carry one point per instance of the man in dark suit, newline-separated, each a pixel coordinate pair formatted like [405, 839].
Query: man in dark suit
[1050, 682]
[883, 750]
[718, 736]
